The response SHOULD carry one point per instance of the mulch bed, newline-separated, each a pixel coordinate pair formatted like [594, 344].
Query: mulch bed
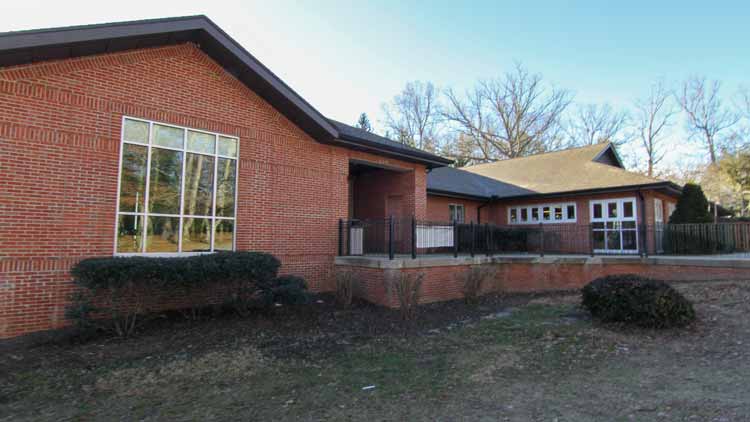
[288, 331]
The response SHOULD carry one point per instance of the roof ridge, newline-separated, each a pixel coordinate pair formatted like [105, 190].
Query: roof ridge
[603, 145]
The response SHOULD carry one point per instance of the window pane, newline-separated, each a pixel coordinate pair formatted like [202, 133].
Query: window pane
[627, 209]
[613, 240]
[199, 181]
[165, 178]
[129, 233]
[612, 210]
[524, 214]
[546, 213]
[571, 212]
[227, 146]
[162, 234]
[136, 131]
[513, 215]
[598, 237]
[460, 210]
[224, 235]
[628, 225]
[629, 240]
[196, 235]
[597, 210]
[535, 214]
[168, 136]
[133, 177]
[200, 142]
[226, 185]
[558, 213]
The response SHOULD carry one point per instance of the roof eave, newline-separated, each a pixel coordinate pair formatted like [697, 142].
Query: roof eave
[429, 160]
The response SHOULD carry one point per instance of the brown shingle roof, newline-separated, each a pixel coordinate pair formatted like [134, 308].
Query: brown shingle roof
[568, 170]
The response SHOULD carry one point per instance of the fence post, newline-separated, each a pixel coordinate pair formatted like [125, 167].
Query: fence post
[473, 238]
[541, 239]
[341, 237]
[413, 237]
[390, 237]
[591, 239]
[455, 239]
[487, 238]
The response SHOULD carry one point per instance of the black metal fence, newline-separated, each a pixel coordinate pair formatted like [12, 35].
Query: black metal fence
[411, 237]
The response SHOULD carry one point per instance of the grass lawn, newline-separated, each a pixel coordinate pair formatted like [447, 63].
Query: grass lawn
[515, 358]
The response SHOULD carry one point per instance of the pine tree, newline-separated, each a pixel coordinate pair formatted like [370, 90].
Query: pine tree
[364, 122]
[692, 207]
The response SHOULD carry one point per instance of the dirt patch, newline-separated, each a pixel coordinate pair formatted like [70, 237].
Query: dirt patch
[520, 357]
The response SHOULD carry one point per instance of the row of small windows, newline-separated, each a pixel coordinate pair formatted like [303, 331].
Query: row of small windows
[545, 213]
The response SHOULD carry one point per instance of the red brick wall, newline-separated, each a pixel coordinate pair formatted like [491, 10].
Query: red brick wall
[445, 282]
[59, 147]
[437, 209]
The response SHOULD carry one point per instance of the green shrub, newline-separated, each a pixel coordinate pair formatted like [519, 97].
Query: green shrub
[637, 300]
[290, 290]
[692, 207]
[116, 290]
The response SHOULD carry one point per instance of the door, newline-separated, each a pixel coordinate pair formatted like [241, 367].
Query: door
[614, 226]
[394, 208]
[659, 225]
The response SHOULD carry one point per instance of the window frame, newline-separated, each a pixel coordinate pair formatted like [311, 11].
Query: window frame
[457, 207]
[149, 145]
[539, 208]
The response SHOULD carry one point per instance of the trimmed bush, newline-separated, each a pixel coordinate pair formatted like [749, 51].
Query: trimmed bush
[290, 290]
[636, 300]
[473, 282]
[115, 290]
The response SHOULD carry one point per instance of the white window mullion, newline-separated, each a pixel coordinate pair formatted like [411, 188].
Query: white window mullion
[182, 191]
[148, 183]
[213, 198]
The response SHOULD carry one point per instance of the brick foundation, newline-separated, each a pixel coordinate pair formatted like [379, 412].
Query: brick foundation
[443, 278]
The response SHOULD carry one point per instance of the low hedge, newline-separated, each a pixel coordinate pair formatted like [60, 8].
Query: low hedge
[222, 267]
[117, 290]
[637, 300]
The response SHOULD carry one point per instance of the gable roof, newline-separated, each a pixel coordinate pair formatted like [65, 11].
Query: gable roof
[582, 169]
[25, 47]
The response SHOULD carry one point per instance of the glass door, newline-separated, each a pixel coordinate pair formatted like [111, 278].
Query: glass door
[614, 225]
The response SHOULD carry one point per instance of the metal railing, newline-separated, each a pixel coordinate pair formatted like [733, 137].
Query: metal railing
[412, 237]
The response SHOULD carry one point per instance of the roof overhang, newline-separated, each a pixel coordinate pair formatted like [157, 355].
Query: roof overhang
[666, 187]
[429, 160]
[24, 47]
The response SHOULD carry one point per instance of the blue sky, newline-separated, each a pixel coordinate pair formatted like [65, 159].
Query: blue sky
[349, 57]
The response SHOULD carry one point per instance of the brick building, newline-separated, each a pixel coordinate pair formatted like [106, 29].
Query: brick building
[166, 137]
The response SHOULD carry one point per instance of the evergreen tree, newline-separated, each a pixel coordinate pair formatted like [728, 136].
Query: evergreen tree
[692, 206]
[364, 122]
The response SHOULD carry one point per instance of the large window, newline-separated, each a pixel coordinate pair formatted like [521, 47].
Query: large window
[177, 190]
[542, 213]
[614, 225]
[457, 213]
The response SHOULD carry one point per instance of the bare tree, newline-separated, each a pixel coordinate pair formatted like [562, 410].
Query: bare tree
[594, 124]
[653, 116]
[414, 115]
[509, 117]
[706, 116]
